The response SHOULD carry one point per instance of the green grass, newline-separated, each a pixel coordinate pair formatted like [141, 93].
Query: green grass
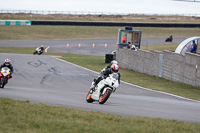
[26, 117]
[19, 50]
[77, 32]
[160, 32]
[161, 47]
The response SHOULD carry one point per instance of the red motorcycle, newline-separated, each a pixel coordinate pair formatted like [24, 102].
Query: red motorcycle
[4, 76]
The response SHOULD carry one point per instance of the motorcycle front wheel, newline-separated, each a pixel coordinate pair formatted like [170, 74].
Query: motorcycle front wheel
[104, 97]
[2, 82]
[88, 98]
[34, 52]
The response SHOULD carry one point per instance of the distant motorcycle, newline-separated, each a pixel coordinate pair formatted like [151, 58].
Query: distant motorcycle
[103, 89]
[39, 51]
[4, 76]
[169, 39]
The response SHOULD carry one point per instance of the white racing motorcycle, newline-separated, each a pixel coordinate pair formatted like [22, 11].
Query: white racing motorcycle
[103, 89]
[39, 51]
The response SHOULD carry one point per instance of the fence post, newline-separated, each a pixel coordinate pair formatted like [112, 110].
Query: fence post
[160, 65]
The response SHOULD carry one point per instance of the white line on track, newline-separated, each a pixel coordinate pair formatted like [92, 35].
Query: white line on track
[132, 84]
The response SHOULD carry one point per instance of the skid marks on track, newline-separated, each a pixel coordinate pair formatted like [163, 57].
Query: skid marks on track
[36, 64]
[53, 71]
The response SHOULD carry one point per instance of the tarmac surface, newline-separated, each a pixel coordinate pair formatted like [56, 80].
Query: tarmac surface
[48, 80]
[60, 46]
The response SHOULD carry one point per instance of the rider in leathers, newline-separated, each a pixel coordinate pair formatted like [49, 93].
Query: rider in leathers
[9, 65]
[109, 66]
[113, 69]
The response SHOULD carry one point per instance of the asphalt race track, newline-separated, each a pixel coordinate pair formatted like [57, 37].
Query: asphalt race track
[46, 79]
[86, 44]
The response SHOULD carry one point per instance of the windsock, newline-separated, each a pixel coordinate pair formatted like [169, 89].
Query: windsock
[67, 45]
[79, 45]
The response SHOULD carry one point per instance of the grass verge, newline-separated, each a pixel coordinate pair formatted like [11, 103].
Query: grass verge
[161, 47]
[22, 116]
[73, 32]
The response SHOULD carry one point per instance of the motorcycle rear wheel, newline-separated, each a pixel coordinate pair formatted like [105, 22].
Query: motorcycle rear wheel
[88, 98]
[103, 98]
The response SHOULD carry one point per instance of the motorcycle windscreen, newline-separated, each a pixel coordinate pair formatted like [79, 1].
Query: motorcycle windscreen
[115, 76]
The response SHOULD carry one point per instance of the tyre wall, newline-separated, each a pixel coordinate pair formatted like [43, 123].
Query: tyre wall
[85, 23]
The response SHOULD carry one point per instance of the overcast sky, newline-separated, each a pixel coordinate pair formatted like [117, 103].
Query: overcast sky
[118, 6]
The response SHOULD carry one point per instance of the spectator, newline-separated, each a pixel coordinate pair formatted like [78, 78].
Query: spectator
[124, 39]
[129, 45]
[194, 47]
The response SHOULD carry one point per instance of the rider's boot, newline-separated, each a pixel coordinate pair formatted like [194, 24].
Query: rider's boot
[93, 85]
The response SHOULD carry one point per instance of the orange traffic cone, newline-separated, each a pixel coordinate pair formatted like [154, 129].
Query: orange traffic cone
[67, 45]
[105, 45]
[79, 45]
[93, 46]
